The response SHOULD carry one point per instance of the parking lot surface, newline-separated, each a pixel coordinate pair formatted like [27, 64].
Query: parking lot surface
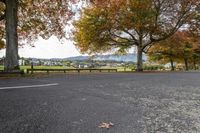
[79, 103]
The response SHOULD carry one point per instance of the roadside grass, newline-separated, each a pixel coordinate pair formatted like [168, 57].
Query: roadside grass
[44, 67]
[123, 69]
[119, 69]
[1, 67]
[24, 68]
[37, 74]
[39, 67]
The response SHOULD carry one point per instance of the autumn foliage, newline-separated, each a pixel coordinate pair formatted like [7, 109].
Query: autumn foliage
[39, 18]
[182, 48]
[121, 24]
[24, 21]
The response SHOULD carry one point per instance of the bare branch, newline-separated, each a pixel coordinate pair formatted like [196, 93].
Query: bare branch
[179, 23]
[120, 37]
[133, 37]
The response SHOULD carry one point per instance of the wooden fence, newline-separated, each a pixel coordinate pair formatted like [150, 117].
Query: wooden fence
[69, 70]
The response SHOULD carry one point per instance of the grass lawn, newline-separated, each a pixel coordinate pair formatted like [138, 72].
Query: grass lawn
[122, 69]
[1, 67]
[119, 69]
[45, 67]
[39, 67]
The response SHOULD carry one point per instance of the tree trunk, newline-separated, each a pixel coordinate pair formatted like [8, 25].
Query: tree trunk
[139, 60]
[172, 64]
[194, 63]
[186, 64]
[11, 62]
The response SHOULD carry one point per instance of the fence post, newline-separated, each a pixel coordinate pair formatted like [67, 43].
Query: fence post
[31, 67]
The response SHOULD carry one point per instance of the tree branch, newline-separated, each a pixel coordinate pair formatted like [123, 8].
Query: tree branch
[127, 32]
[3, 1]
[2, 17]
[120, 37]
[115, 42]
[181, 19]
[173, 30]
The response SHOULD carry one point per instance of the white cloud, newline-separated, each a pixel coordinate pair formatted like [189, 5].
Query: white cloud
[51, 48]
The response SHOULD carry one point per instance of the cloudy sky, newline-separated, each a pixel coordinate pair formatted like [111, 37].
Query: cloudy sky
[51, 48]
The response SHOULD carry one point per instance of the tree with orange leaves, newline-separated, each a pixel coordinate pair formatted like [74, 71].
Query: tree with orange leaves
[122, 24]
[26, 20]
[181, 47]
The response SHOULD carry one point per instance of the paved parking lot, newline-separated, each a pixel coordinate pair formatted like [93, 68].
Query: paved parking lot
[79, 103]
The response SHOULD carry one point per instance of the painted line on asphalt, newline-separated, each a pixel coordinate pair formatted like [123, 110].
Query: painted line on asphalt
[28, 86]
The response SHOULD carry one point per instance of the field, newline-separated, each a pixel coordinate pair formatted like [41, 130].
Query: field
[40, 67]
[120, 69]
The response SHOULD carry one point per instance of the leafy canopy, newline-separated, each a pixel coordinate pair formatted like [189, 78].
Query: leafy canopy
[108, 24]
[182, 45]
[39, 18]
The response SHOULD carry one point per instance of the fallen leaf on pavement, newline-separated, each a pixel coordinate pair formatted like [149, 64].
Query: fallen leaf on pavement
[106, 125]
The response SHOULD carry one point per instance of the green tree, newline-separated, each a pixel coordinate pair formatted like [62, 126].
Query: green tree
[122, 24]
[26, 20]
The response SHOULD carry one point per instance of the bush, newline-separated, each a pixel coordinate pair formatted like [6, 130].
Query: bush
[153, 67]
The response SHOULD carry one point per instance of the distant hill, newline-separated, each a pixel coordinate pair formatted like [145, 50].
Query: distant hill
[124, 58]
[111, 57]
[78, 58]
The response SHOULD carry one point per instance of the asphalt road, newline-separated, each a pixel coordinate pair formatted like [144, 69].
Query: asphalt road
[134, 103]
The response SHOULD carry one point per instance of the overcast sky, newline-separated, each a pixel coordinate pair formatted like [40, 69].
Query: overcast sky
[51, 48]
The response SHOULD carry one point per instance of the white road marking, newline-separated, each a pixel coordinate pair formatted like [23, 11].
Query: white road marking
[28, 86]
